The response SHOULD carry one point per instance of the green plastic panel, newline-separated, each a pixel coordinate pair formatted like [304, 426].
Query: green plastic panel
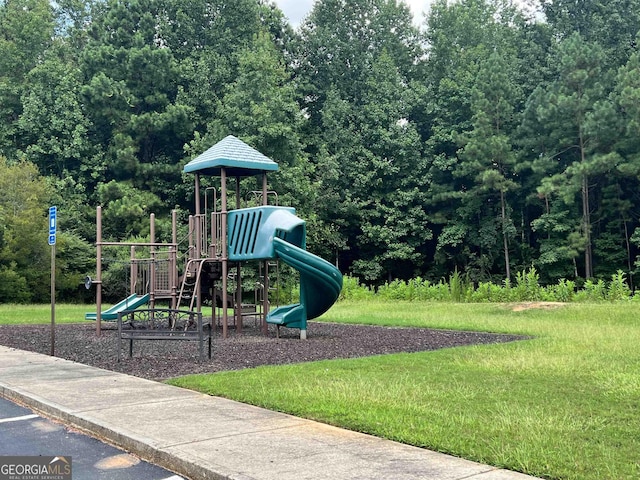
[251, 231]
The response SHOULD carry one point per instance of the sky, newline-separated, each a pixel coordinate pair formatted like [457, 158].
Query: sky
[296, 10]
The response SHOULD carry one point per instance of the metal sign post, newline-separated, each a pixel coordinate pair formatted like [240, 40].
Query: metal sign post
[53, 227]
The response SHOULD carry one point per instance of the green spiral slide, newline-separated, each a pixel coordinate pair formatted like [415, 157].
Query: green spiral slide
[320, 285]
[270, 232]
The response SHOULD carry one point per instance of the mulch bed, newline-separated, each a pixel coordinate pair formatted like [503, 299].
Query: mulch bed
[158, 360]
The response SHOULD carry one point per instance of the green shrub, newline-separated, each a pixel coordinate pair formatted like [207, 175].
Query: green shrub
[564, 291]
[352, 289]
[416, 287]
[489, 292]
[527, 287]
[13, 287]
[592, 292]
[456, 288]
[396, 290]
[618, 288]
[459, 289]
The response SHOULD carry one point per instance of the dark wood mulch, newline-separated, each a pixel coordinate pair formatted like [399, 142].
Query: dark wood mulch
[159, 360]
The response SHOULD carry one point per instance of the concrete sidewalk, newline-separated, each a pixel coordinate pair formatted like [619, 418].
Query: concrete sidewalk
[204, 437]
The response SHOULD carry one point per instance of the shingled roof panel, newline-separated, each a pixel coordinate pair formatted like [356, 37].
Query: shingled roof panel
[231, 153]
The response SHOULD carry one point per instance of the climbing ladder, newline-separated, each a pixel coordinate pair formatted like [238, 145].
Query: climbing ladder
[198, 271]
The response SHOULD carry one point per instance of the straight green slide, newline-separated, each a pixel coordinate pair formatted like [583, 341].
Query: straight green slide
[130, 303]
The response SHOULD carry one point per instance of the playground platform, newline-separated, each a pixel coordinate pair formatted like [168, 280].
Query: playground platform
[202, 437]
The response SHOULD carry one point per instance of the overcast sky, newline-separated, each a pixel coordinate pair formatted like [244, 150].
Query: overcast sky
[296, 10]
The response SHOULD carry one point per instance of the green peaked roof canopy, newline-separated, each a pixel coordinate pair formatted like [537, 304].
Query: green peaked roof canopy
[237, 157]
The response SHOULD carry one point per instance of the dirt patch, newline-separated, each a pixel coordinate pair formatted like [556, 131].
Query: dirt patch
[158, 360]
[520, 307]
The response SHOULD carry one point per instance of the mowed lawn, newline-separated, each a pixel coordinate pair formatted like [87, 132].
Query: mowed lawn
[562, 405]
[18, 314]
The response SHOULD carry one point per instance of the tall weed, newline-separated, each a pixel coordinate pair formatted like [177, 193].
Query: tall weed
[527, 287]
[352, 289]
[564, 291]
[618, 288]
[456, 288]
[592, 291]
[459, 289]
[489, 292]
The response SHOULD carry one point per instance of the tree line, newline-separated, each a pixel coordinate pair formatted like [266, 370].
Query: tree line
[485, 139]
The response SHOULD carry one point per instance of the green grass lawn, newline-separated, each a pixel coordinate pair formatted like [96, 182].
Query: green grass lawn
[12, 314]
[563, 405]
[19, 314]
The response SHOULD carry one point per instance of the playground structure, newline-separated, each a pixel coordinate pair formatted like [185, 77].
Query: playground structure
[220, 242]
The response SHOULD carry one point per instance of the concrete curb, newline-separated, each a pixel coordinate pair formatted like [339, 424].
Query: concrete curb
[139, 446]
[210, 438]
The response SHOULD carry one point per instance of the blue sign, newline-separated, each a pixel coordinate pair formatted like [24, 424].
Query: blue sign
[53, 224]
[53, 220]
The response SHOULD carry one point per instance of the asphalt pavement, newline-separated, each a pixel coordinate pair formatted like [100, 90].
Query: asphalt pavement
[204, 437]
[25, 433]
